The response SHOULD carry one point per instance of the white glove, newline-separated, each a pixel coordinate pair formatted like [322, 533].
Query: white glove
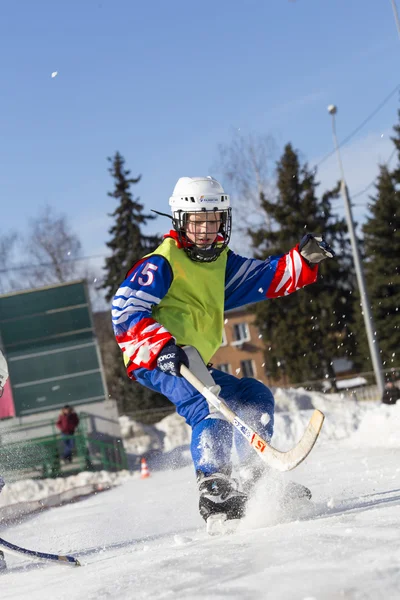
[3, 372]
[315, 249]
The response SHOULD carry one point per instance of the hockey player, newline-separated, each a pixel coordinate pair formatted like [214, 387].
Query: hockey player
[3, 379]
[176, 296]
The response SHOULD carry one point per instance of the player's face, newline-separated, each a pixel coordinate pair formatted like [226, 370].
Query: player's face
[202, 227]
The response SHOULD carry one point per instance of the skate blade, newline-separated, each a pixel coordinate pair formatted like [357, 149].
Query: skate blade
[220, 525]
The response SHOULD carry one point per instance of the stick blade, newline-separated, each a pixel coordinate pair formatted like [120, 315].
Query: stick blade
[286, 461]
[36, 555]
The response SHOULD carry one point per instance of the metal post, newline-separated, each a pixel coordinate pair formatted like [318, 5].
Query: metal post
[367, 314]
[396, 16]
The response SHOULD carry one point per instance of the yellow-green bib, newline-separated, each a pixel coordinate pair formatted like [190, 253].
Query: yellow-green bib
[193, 308]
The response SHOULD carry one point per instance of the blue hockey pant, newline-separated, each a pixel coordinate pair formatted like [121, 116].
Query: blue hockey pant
[212, 436]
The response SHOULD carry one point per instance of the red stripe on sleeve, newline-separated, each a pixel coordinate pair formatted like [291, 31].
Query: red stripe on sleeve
[292, 273]
[142, 343]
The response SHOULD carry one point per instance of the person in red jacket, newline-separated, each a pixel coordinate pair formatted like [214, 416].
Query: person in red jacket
[67, 422]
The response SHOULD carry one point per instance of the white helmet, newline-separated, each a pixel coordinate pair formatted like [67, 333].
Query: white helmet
[195, 194]
[198, 193]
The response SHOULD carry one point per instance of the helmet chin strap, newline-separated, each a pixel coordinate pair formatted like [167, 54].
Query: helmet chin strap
[162, 214]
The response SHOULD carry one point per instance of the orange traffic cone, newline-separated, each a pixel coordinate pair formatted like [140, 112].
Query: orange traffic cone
[144, 469]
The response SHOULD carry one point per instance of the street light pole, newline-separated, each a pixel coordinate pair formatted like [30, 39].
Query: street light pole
[396, 16]
[368, 319]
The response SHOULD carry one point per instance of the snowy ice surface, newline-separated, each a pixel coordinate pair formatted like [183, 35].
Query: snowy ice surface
[144, 539]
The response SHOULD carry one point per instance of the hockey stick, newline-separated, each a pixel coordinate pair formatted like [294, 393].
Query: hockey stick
[281, 461]
[34, 554]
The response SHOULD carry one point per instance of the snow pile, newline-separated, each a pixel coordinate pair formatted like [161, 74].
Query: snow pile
[176, 432]
[139, 438]
[35, 491]
[293, 411]
[170, 433]
[295, 399]
[292, 400]
[362, 424]
[366, 423]
[380, 427]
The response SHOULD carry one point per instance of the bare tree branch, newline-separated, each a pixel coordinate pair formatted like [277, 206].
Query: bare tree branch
[247, 162]
[8, 280]
[52, 248]
[94, 275]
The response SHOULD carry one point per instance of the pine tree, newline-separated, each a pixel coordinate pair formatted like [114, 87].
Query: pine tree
[128, 244]
[382, 251]
[304, 332]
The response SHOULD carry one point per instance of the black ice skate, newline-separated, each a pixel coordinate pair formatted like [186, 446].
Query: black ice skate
[219, 495]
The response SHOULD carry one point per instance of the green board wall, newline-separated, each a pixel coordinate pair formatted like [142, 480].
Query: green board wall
[48, 338]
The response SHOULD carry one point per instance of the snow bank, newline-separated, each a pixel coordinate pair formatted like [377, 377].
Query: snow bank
[170, 433]
[29, 495]
[139, 438]
[380, 427]
[36, 489]
[294, 399]
[176, 432]
[293, 409]
[370, 423]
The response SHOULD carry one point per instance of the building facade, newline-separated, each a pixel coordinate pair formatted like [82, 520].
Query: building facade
[242, 353]
[242, 349]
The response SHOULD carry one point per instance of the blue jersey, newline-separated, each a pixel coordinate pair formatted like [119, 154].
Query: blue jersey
[244, 280]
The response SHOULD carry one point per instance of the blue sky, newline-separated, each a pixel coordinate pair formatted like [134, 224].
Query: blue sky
[165, 82]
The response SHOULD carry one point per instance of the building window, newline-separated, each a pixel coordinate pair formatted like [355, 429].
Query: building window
[224, 340]
[225, 368]
[241, 332]
[247, 368]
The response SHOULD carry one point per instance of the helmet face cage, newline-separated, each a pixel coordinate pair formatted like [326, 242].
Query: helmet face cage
[210, 252]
